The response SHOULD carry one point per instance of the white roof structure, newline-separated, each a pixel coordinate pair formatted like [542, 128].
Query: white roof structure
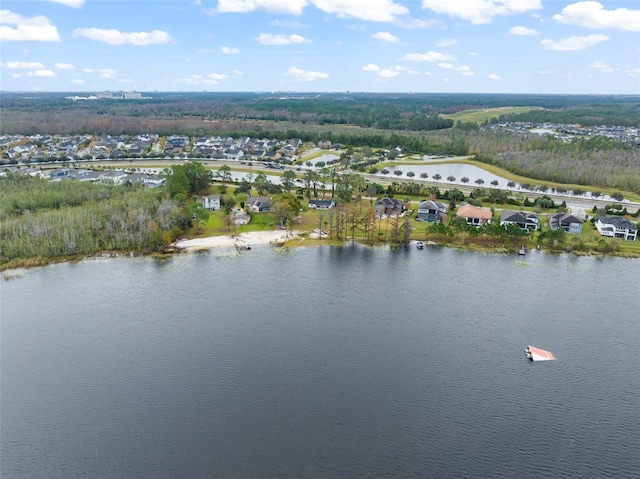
[538, 354]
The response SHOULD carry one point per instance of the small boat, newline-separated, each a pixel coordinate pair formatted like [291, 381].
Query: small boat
[537, 354]
[522, 251]
[420, 245]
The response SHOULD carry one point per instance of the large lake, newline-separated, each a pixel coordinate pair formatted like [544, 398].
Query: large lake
[323, 362]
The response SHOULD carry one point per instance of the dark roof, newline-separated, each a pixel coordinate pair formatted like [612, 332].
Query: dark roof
[618, 221]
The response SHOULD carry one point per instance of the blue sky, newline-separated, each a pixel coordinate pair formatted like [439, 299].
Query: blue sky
[483, 46]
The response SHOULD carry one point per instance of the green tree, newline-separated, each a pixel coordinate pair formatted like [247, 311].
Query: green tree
[199, 214]
[288, 179]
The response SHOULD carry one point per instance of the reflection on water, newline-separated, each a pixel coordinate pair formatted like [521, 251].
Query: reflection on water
[324, 362]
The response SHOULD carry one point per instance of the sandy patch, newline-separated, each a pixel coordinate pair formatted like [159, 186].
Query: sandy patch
[236, 241]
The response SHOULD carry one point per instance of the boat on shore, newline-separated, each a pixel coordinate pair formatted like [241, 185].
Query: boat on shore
[419, 245]
[522, 251]
[537, 354]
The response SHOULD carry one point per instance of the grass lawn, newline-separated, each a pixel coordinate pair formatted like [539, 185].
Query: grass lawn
[479, 116]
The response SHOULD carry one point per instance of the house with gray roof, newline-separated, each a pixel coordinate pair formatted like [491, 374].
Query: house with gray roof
[616, 227]
[321, 204]
[526, 220]
[431, 211]
[569, 223]
[389, 206]
[258, 204]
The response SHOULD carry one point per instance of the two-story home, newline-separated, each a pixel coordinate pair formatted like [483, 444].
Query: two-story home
[616, 227]
[475, 216]
[210, 202]
[567, 222]
[389, 206]
[431, 211]
[526, 220]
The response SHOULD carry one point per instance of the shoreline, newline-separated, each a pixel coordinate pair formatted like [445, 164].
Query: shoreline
[242, 240]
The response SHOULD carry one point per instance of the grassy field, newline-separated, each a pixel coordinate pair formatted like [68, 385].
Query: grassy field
[479, 116]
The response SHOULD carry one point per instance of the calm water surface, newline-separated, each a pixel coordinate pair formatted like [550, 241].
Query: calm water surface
[326, 362]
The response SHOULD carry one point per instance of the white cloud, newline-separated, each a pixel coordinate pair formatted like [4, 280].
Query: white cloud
[70, 3]
[463, 69]
[88, 70]
[302, 75]
[446, 43]
[601, 66]
[388, 73]
[573, 43]
[518, 30]
[15, 28]
[64, 66]
[25, 65]
[493, 76]
[430, 56]
[291, 7]
[230, 50]
[116, 37]
[42, 73]
[107, 72]
[369, 10]
[210, 79]
[273, 39]
[238, 72]
[593, 15]
[386, 37]
[481, 11]
[77, 81]
[633, 72]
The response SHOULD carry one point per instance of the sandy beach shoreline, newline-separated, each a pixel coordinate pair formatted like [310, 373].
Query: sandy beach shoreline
[241, 240]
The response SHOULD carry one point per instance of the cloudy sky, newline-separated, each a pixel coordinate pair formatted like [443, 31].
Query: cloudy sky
[493, 46]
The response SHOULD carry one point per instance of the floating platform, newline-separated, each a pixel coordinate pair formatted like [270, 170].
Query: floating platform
[537, 354]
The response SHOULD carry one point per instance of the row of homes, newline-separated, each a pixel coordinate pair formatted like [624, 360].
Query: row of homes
[434, 212]
[112, 177]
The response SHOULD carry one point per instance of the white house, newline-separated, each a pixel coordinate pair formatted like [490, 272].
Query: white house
[616, 227]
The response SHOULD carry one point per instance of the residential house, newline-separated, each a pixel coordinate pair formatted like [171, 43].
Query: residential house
[240, 219]
[210, 202]
[431, 211]
[567, 222]
[389, 206]
[617, 227]
[234, 154]
[475, 216]
[321, 204]
[258, 204]
[526, 220]
[116, 177]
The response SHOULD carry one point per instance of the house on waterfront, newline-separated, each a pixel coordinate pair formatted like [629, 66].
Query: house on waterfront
[526, 220]
[321, 204]
[431, 211]
[616, 227]
[210, 202]
[389, 206]
[569, 223]
[475, 216]
[259, 204]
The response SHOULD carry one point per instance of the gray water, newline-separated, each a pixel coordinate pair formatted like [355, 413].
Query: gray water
[326, 362]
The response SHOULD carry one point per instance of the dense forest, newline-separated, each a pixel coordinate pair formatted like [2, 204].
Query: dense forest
[53, 113]
[46, 219]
